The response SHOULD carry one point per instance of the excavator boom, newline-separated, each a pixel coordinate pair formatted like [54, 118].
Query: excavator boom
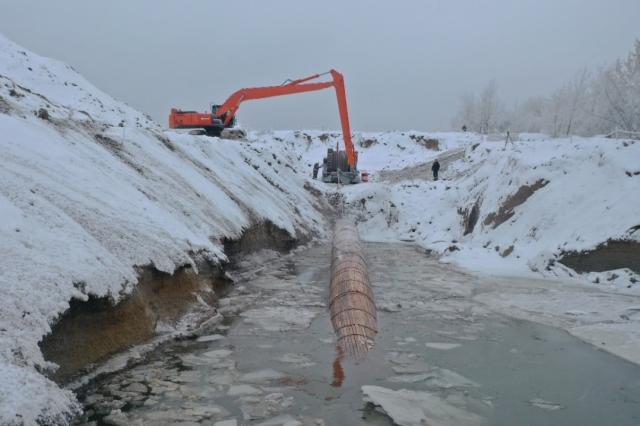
[225, 113]
[231, 105]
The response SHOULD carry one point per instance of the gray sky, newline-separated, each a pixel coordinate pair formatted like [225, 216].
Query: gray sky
[406, 63]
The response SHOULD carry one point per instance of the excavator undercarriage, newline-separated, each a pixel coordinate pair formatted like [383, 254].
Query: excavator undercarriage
[336, 169]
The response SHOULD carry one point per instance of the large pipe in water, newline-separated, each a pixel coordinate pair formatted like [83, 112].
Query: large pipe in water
[351, 302]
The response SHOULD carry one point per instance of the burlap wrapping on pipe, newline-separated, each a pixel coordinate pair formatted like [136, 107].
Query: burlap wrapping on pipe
[346, 302]
[351, 302]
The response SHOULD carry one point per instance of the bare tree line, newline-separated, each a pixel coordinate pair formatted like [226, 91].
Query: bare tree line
[588, 104]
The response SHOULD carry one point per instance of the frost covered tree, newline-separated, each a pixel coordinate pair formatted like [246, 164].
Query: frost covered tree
[468, 113]
[488, 107]
[587, 104]
[575, 93]
[622, 91]
[480, 114]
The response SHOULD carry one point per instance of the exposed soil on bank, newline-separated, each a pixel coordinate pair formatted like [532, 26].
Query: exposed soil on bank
[89, 332]
[614, 254]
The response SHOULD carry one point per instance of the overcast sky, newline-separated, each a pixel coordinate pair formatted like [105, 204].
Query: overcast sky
[405, 63]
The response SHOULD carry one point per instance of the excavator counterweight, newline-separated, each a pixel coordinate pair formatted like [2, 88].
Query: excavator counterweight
[340, 166]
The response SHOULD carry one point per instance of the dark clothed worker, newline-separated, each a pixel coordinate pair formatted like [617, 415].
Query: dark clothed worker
[316, 167]
[435, 168]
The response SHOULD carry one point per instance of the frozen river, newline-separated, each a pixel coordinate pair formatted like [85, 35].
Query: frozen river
[440, 355]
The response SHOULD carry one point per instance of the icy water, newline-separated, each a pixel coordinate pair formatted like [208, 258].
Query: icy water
[272, 360]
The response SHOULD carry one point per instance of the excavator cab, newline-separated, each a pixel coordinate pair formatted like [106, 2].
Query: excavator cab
[222, 118]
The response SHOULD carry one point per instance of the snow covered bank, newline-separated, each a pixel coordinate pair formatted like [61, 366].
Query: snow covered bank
[378, 151]
[517, 210]
[89, 190]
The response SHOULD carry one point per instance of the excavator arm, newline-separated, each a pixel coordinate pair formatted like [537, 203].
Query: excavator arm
[231, 105]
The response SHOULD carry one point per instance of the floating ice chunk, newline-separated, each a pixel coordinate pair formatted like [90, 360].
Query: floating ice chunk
[241, 390]
[221, 379]
[210, 323]
[136, 387]
[230, 422]
[442, 346]
[405, 341]
[443, 378]
[302, 360]
[256, 407]
[545, 405]
[387, 306]
[410, 408]
[280, 318]
[117, 418]
[197, 410]
[210, 338]
[283, 420]
[188, 376]
[260, 376]
[409, 378]
[576, 312]
[215, 359]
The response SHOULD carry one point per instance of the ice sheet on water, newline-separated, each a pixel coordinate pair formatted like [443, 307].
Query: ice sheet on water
[260, 376]
[229, 422]
[410, 408]
[241, 390]
[402, 341]
[407, 362]
[215, 359]
[409, 378]
[280, 318]
[300, 360]
[442, 346]
[282, 420]
[444, 378]
[258, 407]
[545, 405]
[436, 378]
[210, 338]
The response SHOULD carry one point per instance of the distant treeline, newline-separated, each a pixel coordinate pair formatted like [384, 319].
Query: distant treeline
[590, 103]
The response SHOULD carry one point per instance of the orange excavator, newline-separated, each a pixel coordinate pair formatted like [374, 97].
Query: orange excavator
[340, 166]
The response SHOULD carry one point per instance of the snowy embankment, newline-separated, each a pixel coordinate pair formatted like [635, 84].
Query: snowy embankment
[516, 210]
[90, 189]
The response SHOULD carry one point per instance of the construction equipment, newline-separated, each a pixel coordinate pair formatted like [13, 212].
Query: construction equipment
[211, 123]
[340, 166]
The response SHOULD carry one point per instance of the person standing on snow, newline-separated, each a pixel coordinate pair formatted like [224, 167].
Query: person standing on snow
[434, 168]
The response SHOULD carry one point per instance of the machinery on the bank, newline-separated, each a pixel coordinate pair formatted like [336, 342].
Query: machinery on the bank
[340, 166]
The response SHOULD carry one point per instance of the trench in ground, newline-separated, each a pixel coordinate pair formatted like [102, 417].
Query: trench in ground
[264, 361]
